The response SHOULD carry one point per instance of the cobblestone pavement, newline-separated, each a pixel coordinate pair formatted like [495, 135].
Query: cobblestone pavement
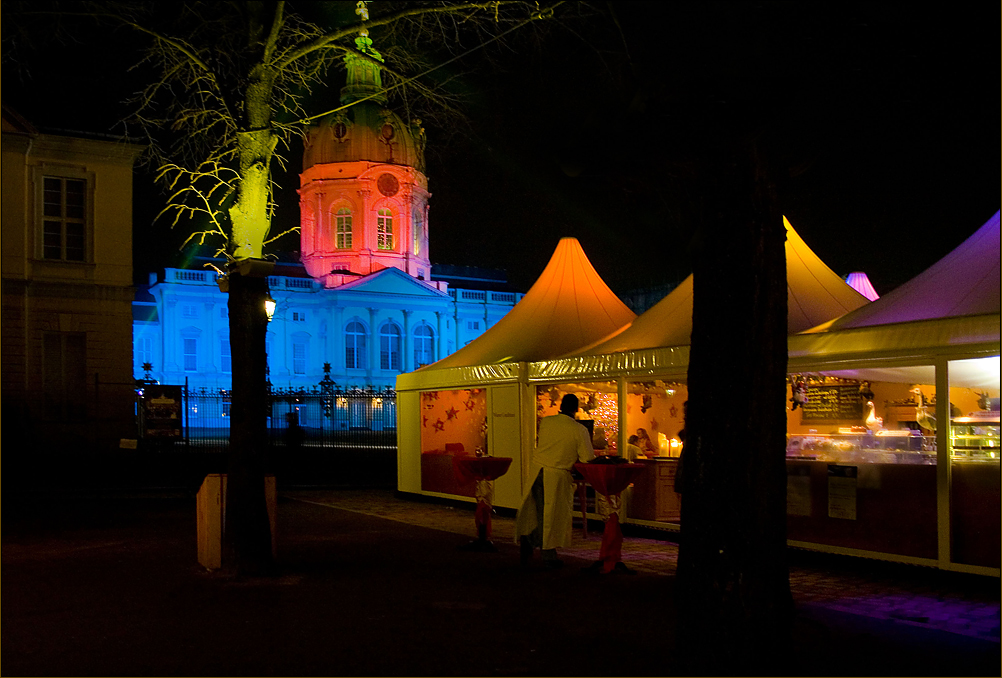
[906, 594]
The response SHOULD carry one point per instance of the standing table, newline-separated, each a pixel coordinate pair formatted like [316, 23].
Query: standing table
[484, 470]
[610, 480]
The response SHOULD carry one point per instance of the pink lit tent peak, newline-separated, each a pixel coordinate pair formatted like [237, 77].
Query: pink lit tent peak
[859, 281]
[567, 307]
[966, 282]
[815, 294]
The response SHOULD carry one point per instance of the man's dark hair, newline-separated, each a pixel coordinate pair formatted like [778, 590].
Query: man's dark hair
[569, 404]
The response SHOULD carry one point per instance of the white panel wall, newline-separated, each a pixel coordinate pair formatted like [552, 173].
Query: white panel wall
[409, 441]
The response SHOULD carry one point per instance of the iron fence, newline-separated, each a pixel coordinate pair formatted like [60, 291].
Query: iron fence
[301, 419]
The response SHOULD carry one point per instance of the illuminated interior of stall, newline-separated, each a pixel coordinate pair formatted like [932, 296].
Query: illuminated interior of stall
[597, 401]
[655, 406]
[453, 423]
[886, 415]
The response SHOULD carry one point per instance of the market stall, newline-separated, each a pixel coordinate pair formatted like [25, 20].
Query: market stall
[647, 361]
[517, 363]
[884, 465]
[477, 399]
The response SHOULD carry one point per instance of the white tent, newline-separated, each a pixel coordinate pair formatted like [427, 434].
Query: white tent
[950, 311]
[567, 307]
[814, 294]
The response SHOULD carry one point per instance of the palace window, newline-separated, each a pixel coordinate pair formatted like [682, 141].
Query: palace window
[424, 346]
[225, 358]
[64, 221]
[354, 346]
[190, 353]
[418, 229]
[384, 230]
[342, 225]
[389, 347]
[299, 357]
[144, 352]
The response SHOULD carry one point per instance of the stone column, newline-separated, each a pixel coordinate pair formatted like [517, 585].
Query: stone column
[440, 335]
[213, 340]
[373, 344]
[170, 328]
[336, 342]
[407, 361]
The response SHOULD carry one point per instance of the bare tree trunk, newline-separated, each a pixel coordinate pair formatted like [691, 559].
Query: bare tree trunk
[248, 531]
[734, 599]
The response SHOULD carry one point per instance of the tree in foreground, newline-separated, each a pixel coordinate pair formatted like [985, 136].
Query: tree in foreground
[735, 609]
[232, 87]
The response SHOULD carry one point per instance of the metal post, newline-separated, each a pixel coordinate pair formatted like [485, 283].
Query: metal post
[944, 456]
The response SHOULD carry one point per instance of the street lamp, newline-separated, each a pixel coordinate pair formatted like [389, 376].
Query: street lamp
[269, 306]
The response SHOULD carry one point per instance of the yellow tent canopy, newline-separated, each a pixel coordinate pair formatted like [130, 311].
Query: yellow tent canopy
[567, 307]
[815, 294]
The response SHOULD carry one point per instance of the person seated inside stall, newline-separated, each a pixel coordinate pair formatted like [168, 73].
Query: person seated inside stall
[632, 450]
[599, 442]
[644, 442]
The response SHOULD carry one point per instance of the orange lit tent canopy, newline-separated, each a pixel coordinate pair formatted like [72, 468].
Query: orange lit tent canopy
[567, 307]
[814, 294]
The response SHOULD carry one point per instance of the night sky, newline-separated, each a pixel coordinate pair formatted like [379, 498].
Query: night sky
[886, 121]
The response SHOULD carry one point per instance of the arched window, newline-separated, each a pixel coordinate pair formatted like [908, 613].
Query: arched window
[354, 346]
[424, 345]
[384, 229]
[389, 347]
[342, 228]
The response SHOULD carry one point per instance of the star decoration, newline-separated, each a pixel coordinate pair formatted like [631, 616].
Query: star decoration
[654, 424]
[672, 411]
[451, 413]
[439, 425]
[470, 404]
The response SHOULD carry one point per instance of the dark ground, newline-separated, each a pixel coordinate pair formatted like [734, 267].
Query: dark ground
[109, 585]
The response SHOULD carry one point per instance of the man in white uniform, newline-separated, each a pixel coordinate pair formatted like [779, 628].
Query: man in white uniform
[544, 519]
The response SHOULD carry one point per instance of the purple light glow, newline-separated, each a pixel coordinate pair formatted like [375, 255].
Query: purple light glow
[859, 282]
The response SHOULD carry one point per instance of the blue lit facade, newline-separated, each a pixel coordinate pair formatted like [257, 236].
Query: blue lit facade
[362, 294]
[368, 330]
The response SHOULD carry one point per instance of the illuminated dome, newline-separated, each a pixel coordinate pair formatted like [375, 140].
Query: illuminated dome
[368, 130]
[363, 194]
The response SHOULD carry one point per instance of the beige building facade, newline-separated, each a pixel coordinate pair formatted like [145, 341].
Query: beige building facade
[66, 327]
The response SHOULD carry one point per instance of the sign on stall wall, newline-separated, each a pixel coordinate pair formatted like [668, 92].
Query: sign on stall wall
[798, 490]
[842, 491]
[833, 403]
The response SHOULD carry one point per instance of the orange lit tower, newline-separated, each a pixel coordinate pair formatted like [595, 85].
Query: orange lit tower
[363, 195]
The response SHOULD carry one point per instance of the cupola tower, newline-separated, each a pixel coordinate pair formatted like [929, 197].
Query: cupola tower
[363, 194]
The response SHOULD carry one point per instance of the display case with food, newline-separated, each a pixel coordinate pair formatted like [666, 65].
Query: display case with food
[902, 446]
[976, 436]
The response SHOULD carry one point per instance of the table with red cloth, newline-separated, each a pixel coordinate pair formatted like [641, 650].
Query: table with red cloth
[484, 470]
[609, 480]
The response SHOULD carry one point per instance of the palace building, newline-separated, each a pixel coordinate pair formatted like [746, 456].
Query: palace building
[363, 298]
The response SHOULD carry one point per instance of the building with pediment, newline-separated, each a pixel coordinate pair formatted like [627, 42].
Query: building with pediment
[364, 297]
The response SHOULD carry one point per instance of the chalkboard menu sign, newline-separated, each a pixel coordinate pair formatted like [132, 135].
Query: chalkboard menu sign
[828, 403]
